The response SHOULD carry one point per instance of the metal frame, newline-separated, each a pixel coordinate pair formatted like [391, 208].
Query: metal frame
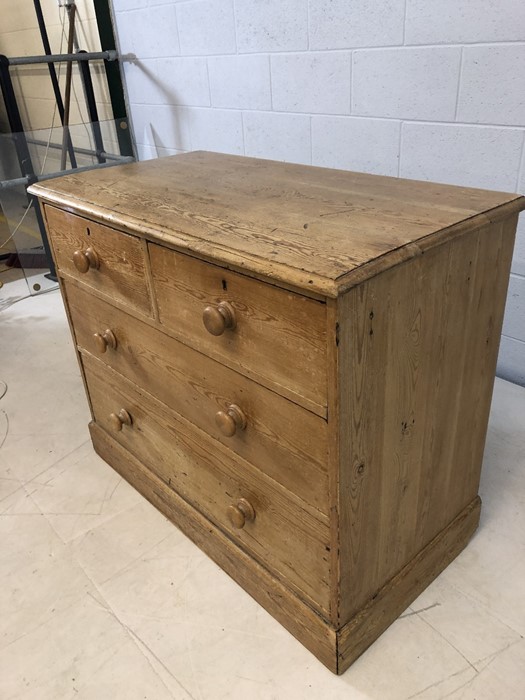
[63, 58]
[6, 184]
[53, 76]
[22, 151]
[21, 141]
[92, 108]
[78, 149]
[113, 76]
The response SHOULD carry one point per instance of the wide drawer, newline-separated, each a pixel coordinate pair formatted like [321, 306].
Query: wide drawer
[283, 439]
[262, 330]
[109, 261]
[287, 539]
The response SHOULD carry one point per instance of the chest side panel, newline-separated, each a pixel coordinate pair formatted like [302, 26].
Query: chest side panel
[416, 364]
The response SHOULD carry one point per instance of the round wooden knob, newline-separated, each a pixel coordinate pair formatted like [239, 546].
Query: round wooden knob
[218, 318]
[119, 419]
[240, 513]
[105, 340]
[231, 420]
[85, 260]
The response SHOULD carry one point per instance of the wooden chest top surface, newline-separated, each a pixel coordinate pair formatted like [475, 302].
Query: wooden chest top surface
[318, 229]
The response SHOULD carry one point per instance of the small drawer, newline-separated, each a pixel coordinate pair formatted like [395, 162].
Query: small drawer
[264, 331]
[109, 261]
[257, 514]
[284, 440]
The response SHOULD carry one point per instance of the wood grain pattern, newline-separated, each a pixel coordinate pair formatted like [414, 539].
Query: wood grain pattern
[153, 323]
[66, 305]
[270, 323]
[333, 335]
[489, 281]
[393, 598]
[336, 649]
[417, 353]
[312, 227]
[212, 479]
[292, 612]
[122, 265]
[284, 440]
[296, 366]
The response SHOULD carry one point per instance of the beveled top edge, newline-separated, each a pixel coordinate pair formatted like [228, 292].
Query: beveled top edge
[330, 280]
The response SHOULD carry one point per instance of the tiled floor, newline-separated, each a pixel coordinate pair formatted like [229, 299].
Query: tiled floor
[101, 597]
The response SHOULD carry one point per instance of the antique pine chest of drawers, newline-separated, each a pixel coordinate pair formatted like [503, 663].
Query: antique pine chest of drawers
[295, 365]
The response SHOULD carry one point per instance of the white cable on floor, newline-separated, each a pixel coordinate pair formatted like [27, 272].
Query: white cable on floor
[17, 226]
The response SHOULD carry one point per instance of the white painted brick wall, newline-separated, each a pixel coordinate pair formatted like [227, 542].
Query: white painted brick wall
[317, 82]
[215, 130]
[493, 85]
[149, 34]
[271, 25]
[367, 145]
[467, 21]
[205, 27]
[414, 88]
[241, 82]
[486, 157]
[171, 81]
[278, 136]
[518, 261]
[346, 24]
[406, 83]
[514, 322]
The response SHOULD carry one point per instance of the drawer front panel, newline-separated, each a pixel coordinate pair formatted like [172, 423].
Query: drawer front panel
[278, 336]
[284, 537]
[111, 262]
[286, 441]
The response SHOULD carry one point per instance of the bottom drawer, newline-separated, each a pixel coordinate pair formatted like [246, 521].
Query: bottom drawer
[258, 514]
